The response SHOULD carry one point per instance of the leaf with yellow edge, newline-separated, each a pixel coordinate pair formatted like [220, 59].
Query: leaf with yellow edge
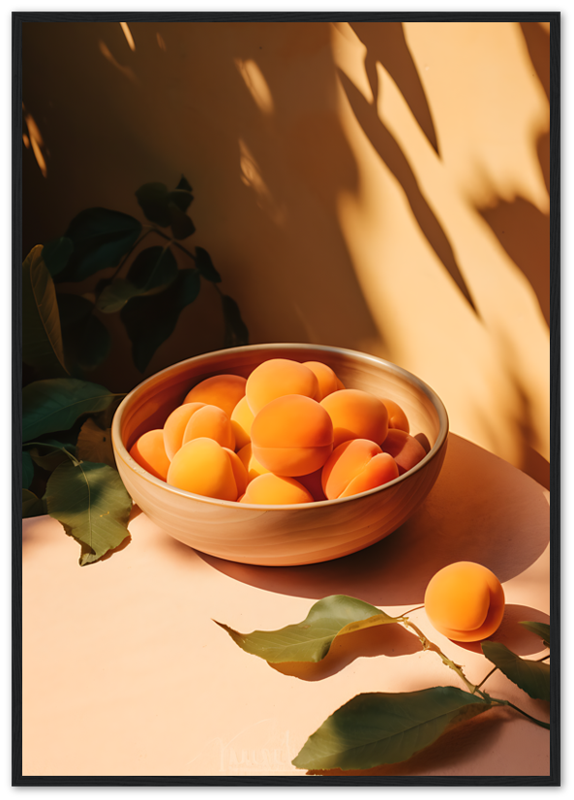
[311, 639]
[42, 346]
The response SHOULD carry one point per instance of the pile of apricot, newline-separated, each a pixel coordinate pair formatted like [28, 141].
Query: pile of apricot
[289, 433]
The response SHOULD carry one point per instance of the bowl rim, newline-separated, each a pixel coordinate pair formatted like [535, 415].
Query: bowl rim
[118, 445]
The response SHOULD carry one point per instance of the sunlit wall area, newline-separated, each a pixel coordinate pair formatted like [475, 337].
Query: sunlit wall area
[377, 186]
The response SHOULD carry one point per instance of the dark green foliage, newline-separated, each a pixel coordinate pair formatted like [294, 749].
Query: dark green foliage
[66, 419]
[98, 239]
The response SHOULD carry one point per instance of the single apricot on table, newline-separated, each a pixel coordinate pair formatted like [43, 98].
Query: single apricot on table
[277, 377]
[356, 415]
[465, 601]
[292, 435]
[149, 452]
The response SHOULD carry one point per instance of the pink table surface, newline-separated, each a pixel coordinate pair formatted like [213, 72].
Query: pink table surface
[125, 672]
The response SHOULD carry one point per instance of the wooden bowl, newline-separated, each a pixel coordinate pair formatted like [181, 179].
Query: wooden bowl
[280, 535]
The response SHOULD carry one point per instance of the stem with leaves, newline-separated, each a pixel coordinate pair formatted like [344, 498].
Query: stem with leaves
[428, 645]
[380, 727]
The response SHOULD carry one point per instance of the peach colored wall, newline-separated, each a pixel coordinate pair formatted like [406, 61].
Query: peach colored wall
[377, 186]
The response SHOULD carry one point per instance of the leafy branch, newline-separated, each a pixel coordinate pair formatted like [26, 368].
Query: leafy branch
[154, 286]
[68, 466]
[383, 728]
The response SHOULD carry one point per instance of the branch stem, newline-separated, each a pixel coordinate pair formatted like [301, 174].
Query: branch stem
[520, 711]
[428, 645]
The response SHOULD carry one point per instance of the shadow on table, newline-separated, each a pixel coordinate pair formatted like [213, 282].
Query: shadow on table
[481, 509]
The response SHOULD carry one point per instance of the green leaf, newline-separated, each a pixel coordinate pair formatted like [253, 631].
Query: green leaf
[51, 454]
[32, 506]
[101, 238]
[181, 199]
[54, 405]
[541, 629]
[533, 677]
[153, 199]
[311, 639]
[115, 295]
[151, 269]
[41, 332]
[182, 196]
[92, 504]
[378, 728]
[56, 254]
[167, 208]
[87, 341]
[205, 265]
[184, 185]
[181, 225]
[27, 469]
[163, 309]
[236, 332]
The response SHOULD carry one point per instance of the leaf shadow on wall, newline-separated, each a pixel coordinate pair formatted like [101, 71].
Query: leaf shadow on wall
[386, 44]
[524, 232]
[299, 137]
[392, 51]
[521, 228]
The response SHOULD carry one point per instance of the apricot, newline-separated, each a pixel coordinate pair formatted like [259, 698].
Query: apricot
[175, 425]
[239, 471]
[241, 420]
[277, 377]
[149, 452]
[272, 489]
[252, 466]
[356, 415]
[204, 467]
[397, 417]
[355, 466]
[210, 422]
[224, 391]
[465, 601]
[404, 448]
[326, 378]
[292, 435]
